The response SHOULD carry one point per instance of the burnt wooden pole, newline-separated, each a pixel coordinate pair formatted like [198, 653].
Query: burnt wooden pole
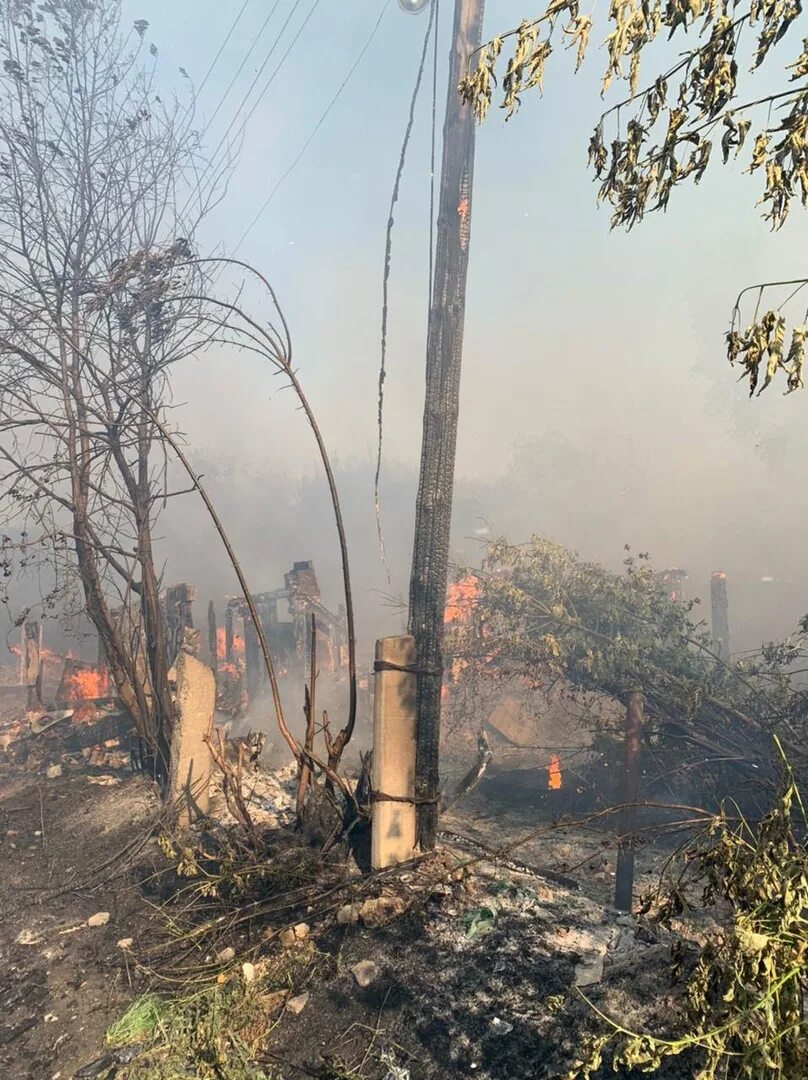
[720, 613]
[228, 633]
[213, 644]
[629, 789]
[433, 508]
[32, 662]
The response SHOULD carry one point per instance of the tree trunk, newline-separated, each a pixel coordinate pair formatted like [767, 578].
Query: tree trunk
[433, 512]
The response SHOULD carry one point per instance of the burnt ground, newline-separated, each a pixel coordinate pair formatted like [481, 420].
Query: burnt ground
[476, 980]
[61, 981]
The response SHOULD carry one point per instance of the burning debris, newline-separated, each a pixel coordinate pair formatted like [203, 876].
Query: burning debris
[238, 659]
[554, 782]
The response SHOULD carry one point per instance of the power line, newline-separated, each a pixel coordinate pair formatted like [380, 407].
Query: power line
[316, 128]
[266, 87]
[213, 163]
[241, 67]
[223, 45]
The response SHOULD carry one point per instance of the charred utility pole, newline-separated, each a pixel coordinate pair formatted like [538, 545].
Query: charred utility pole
[433, 508]
[720, 613]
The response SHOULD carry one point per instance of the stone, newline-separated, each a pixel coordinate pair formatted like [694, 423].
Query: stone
[298, 1003]
[589, 972]
[226, 955]
[365, 972]
[191, 763]
[248, 971]
[348, 914]
[125, 943]
[101, 918]
[301, 931]
[287, 938]
[377, 912]
[54, 772]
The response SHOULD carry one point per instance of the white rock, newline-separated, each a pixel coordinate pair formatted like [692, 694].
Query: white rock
[226, 955]
[348, 914]
[365, 972]
[248, 971]
[297, 1004]
[101, 918]
[54, 772]
[125, 943]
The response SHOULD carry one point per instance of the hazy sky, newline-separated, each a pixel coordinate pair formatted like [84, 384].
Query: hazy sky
[594, 361]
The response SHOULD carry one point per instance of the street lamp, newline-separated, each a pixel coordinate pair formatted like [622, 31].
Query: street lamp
[412, 7]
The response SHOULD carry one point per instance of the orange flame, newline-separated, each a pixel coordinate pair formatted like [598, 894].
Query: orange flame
[460, 598]
[221, 644]
[89, 684]
[554, 774]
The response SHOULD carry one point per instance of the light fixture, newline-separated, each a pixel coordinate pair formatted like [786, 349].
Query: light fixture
[413, 6]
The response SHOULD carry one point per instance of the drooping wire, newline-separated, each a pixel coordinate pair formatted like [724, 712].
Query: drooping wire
[432, 152]
[317, 126]
[388, 247]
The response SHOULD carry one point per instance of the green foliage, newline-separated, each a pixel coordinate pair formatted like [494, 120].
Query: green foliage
[763, 340]
[746, 996]
[665, 134]
[210, 1035]
[672, 123]
[543, 614]
[140, 1023]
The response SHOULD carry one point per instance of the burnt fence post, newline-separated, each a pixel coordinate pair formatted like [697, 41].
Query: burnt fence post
[629, 789]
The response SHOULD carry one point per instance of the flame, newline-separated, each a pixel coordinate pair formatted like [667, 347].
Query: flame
[88, 684]
[221, 644]
[45, 655]
[554, 774]
[229, 669]
[460, 598]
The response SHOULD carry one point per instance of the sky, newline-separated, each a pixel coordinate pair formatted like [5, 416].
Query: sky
[597, 404]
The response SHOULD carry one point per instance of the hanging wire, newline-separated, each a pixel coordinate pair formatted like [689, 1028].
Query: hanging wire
[388, 246]
[432, 152]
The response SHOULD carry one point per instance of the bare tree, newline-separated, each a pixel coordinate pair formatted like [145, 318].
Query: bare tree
[98, 299]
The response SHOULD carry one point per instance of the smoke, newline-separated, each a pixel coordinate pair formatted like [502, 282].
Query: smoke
[593, 500]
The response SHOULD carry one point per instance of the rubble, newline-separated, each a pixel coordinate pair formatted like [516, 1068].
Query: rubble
[101, 918]
[381, 910]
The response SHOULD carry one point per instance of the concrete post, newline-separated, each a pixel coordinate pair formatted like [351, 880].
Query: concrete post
[189, 778]
[394, 740]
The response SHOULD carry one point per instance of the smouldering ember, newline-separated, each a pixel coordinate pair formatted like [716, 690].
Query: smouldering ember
[554, 781]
